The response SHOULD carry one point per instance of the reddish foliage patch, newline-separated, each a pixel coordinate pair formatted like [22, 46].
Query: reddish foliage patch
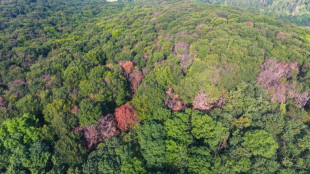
[91, 136]
[146, 57]
[199, 26]
[173, 102]
[75, 109]
[126, 117]
[170, 92]
[186, 61]
[46, 77]
[2, 102]
[281, 34]
[181, 49]
[301, 99]
[220, 102]
[107, 127]
[163, 3]
[181, 33]
[127, 66]
[274, 77]
[250, 24]
[18, 82]
[204, 103]
[157, 13]
[167, 35]
[13, 84]
[201, 102]
[135, 79]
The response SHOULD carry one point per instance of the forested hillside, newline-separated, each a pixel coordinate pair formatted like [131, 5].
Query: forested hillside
[296, 11]
[151, 87]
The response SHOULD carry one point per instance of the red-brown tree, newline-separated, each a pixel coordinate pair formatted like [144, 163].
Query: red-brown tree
[126, 117]
[127, 66]
[173, 102]
[135, 79]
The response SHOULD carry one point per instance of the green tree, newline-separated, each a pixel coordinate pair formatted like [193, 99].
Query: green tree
[204, 127]
[18, 141]
[200, 160]
[89, 112]
[178, 139]
[260, 143]
[151, 139]
[69, 151]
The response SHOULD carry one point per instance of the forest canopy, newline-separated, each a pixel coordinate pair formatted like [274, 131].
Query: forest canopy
[151, 87]
[296, 11]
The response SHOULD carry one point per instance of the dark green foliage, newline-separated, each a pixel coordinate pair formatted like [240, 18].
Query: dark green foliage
[152, 143]
[89, 112]
[69, 151]
[113, 157]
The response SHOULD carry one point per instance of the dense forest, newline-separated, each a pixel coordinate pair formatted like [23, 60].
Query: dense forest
[151, 87]
[296, 11]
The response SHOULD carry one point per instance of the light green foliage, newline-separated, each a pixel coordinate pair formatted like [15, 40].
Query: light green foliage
[132, 166]
[104, 86]
[199, 160]
[19, 142]
[155, 57]
[19, 131]
[151, 92]
[192, 84]
[167, 47]
[161, 114]
[178, 138]
[177, 127]
[259, 142]
[56, 113]
[294, 11]
[246, 101]
[204, 127]
[242, 165]
[246, 106]
[116, 33]
[304, 142]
